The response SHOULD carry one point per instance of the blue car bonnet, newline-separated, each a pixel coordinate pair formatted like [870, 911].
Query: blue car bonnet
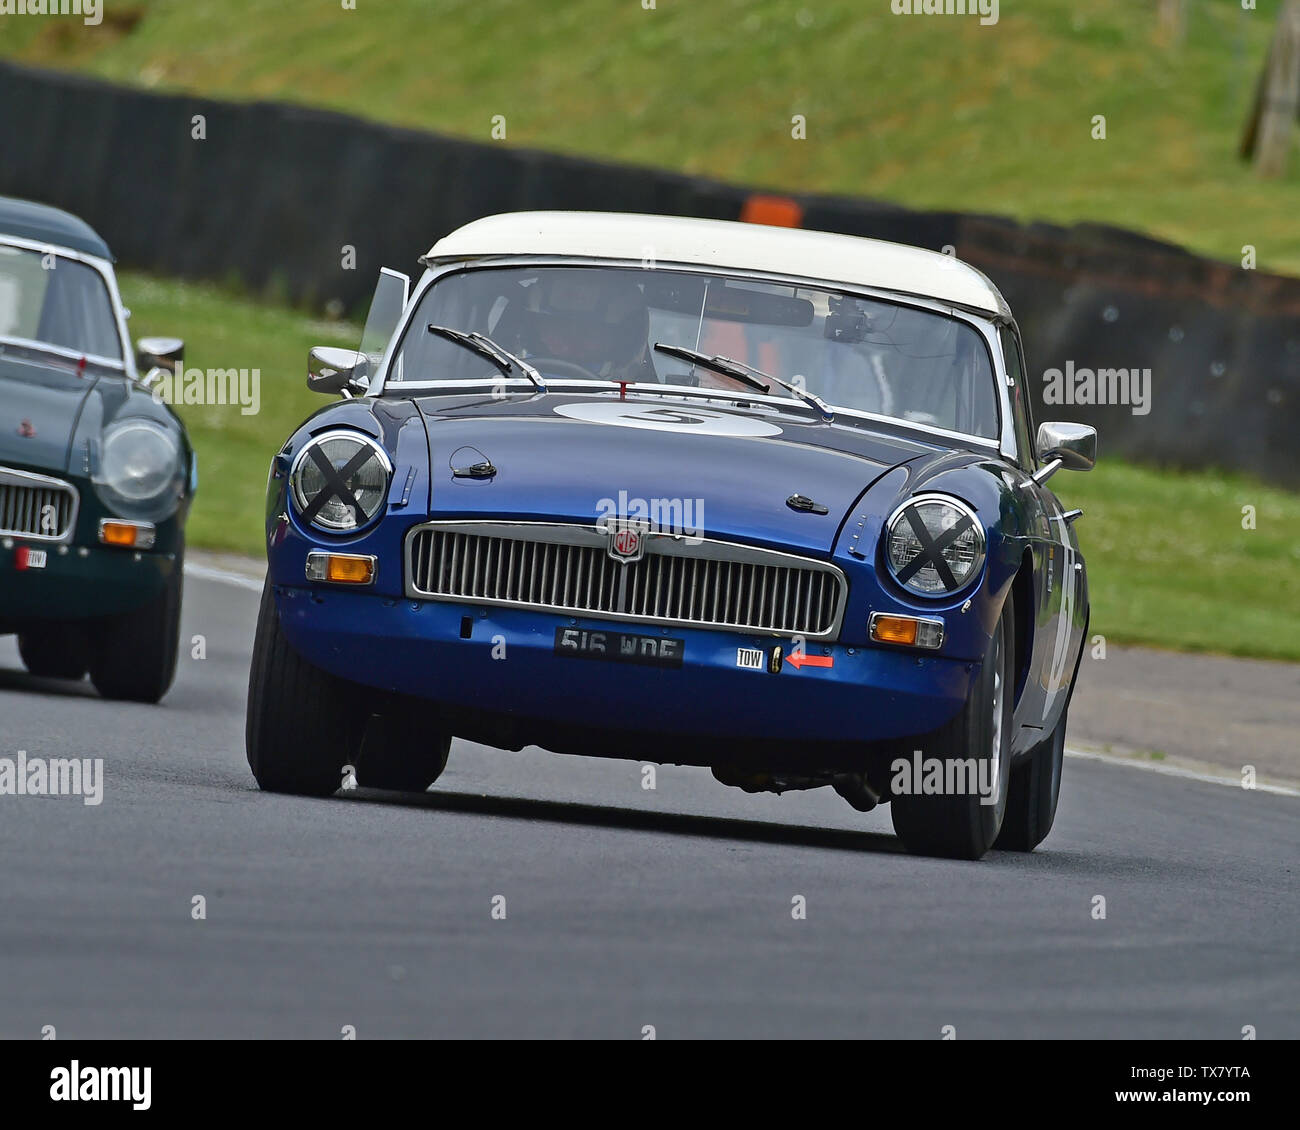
[576, 458]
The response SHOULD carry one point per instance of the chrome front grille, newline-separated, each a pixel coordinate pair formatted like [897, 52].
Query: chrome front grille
[36, 506]
[568, 569]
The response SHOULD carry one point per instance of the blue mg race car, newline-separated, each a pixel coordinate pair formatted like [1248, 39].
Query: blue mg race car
[683, 491]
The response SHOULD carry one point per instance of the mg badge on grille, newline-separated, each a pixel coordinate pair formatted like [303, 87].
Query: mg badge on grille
[626, 541]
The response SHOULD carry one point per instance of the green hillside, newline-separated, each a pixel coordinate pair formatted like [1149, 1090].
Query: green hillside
[928, 111]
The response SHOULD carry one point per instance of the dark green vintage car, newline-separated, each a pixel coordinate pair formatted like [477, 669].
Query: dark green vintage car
[96, 474]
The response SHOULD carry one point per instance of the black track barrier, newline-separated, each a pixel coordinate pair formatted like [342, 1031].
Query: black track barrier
[306, 205]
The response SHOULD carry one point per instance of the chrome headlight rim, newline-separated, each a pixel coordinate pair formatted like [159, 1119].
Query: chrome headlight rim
[981, 547]
[302, 504]
[156, 505]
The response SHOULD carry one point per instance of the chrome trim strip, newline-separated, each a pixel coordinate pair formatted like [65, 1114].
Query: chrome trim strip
[27, 480]
[58, 351]
[52, 248]
[674, 546]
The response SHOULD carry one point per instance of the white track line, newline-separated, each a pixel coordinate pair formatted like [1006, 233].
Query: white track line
[1186, 774]
[208, 573]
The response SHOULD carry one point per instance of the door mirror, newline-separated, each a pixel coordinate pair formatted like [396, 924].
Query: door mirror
[1061, 444]
[333, 370]
[1075, 445]
[155, 354]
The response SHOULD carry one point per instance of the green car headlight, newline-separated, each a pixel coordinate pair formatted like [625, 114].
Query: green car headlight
[140, 471]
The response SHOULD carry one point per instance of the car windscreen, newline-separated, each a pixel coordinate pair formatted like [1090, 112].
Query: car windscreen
[601, 323]
[53, 300]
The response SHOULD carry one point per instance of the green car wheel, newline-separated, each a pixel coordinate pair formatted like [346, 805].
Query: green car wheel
[133, 656]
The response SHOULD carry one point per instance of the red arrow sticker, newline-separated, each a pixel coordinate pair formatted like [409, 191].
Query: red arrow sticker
[798, 660]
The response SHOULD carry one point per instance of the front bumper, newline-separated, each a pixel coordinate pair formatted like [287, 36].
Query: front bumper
[77, 582]
[506, 685]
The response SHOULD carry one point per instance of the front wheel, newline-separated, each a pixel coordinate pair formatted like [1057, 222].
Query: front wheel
[55, 651]
[133, 656]
[961, 819]
[1035, 787]
[303, 724]
[403, 750]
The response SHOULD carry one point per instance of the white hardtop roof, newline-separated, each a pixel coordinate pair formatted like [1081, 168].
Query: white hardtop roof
[845, 259]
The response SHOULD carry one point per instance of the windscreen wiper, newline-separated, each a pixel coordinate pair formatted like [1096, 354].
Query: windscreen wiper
[746, 375]
[484, 346]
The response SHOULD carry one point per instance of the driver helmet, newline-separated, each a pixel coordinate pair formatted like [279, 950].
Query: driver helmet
[597, 319]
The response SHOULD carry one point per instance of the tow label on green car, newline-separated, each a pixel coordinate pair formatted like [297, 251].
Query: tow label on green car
[25, 557]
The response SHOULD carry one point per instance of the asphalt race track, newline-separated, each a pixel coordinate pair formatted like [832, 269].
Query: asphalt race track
[625, 908]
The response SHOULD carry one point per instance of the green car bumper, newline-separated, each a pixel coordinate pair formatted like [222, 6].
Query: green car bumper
[76, 582]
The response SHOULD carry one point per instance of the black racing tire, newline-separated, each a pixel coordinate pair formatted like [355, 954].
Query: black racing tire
[133, 656]
[402, 751]
[960, 825]
[1035, 789]
[303, 724]
[55, 651]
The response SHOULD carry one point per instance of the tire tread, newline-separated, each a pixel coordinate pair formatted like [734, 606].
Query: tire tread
[302, 726]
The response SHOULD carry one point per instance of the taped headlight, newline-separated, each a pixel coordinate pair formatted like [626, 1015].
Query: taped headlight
[339, 481]
[140, 473]
[934, 545]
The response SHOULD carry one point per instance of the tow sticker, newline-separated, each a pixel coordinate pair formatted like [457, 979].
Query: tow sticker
[25, 557]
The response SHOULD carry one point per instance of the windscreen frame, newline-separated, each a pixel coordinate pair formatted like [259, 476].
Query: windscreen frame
[984, 325]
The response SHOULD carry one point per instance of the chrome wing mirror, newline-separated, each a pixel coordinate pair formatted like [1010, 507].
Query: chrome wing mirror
[344, 371]
[1061, 444]
[156, 355]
